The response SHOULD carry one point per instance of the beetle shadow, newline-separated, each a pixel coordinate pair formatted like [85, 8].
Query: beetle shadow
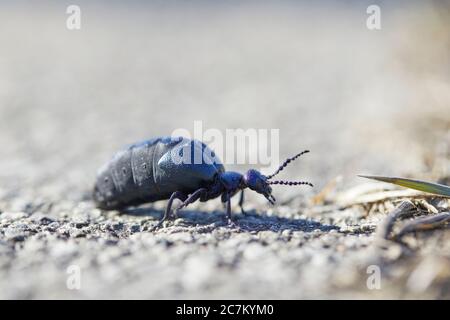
[251, 221]
[143, 212]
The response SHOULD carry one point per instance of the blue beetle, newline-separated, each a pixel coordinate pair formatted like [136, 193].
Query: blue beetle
[169, 168]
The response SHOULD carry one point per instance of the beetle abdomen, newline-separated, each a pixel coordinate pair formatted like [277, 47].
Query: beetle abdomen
[145, 172]
[128, 178]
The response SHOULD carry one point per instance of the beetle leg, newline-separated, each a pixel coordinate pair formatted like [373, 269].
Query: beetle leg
[167, 214]
[229, 209]
[231, 223]
[241, 203]
[192, 198]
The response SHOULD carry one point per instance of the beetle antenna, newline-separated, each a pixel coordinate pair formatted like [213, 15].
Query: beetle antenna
[291, 183]
[285, 163]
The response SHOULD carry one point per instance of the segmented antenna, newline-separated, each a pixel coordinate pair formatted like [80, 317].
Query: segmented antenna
[285, 163]
[291, 183]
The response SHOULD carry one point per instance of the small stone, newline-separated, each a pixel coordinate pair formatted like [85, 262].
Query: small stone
[77, 233]
[114, 226]
[14, 235]
[53, 226]
[80, 223]
[41, 219]
[13, 215]
[268, 236]
[135, 228]
[286, 234]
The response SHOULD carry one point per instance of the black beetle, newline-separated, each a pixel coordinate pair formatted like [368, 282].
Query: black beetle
[147, 172]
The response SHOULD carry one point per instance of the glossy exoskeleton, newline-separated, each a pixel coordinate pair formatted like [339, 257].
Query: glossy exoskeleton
[176, 168]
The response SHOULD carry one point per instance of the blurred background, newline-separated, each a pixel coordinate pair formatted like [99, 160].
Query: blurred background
[363, 101]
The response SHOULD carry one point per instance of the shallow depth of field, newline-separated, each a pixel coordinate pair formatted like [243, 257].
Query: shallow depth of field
[363, 101]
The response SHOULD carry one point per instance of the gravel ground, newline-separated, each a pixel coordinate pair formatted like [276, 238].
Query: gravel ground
[69, 99]
[279, 253]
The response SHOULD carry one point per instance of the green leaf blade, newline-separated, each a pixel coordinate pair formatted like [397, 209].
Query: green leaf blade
[434, 188]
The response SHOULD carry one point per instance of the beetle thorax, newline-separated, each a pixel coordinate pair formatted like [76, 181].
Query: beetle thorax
[232, 181]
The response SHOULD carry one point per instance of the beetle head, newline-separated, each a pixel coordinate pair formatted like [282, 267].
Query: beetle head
[256, 181]
[261, 183]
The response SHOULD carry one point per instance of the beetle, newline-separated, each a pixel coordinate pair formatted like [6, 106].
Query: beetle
[177, 168]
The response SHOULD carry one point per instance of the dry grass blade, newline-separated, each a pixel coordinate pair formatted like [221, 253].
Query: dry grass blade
[425, 223]
[382, 196]
[404, 209]
[434, 188]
